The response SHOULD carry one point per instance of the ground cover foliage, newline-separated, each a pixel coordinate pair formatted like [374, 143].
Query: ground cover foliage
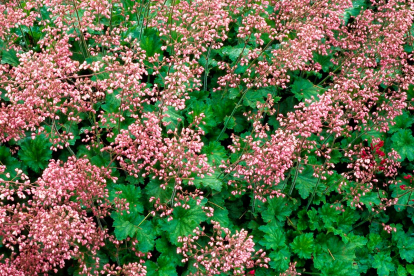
[197, 137]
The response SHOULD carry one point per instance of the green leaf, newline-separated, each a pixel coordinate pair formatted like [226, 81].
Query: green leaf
[191, 269]
[241, 124]
[112, 103]
[163, 267]
[150, 42]
[252, 97]
[168, 250]
[346, 219]
[212, 181]
[35, 153]
[215, 152]
[383, 263]
[153, 189]
[403, 121]
[335, 156]
[405, 246]
[145, 235]
[241, 69]
[235, 208]
[135, 180]
[124, 225]
[329, 215]
[303, 220]
[277, 207]
[174, 118]
[338, 268]
[231, 122]
[401, 271]
[101, 160]
[410, 92]
[280, 259]
[10, 57]
[184, 221]
[410, 268]
[133, 32]
[274, 238]
[233, 93]
[304, 89]
[254, 230]
[306, 182]
[130, 193]
[303, 245]
[404, 198]
[329, 247]
[221, 214]
[221, 107]
[134, 225]
[376, 242]
[315, 222]
[357, 6]
[72, 128]
[354, 240]
[198, 107]
[403, 143]
[370, 198]
[76, 50]
[324, 61]
[233, 52]
[10, 162]
[287, 105]
[370, 133]
[211, 62]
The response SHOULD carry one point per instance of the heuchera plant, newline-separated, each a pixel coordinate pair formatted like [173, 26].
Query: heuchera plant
[201, 137]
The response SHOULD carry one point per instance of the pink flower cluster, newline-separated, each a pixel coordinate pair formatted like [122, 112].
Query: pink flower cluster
[373, 57]
[224, 252]
[54, 219]
[55, 224]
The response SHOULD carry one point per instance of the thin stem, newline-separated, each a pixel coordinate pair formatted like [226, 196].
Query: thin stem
[110, 20]
[293, 225]
[80, 28]
[294, 180]
[216, 205]
[297, 169]
[57, 131]
[144, 220]
[24, 37]
[206, 68]
[319, 179]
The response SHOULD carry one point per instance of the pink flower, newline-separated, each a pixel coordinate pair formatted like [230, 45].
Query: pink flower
[377, 146]
[379, 152]
[363, 154]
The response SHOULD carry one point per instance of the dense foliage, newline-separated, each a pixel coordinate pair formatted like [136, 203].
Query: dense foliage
[206, 137]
